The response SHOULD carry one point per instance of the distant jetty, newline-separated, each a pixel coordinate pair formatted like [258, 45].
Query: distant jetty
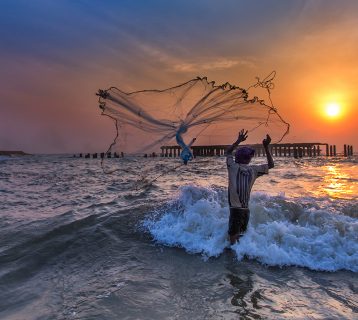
[13, 153]
[296, 150]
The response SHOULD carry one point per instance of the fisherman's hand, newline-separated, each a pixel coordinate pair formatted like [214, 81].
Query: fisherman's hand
[242, 136]
[266, 141]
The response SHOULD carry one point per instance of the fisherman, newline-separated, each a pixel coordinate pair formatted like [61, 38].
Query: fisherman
[242, 176]
[186, 153]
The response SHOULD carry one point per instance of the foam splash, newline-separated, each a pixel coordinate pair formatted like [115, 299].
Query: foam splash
[281, 231]
[196, 221]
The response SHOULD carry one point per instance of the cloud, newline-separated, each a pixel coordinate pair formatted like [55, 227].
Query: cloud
[177, 64]
[216, 64]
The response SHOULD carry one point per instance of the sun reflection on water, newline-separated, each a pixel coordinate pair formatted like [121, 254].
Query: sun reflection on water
[338, 183]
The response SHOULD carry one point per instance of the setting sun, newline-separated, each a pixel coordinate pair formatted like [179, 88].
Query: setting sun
[333, 109]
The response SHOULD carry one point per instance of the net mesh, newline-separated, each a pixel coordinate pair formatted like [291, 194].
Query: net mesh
[148, 119]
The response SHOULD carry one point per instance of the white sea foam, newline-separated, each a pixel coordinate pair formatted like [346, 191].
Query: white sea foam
[282, 231]
[196, 221]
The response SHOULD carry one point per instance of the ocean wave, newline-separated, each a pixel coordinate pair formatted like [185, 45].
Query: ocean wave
[282, 231]
[3, 158]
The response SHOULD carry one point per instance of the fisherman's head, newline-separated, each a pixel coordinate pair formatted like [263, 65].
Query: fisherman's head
[244, 155]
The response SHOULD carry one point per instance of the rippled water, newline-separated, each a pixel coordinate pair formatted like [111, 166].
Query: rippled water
[78, 244]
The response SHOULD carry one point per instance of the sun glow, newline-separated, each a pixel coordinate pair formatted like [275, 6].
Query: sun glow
[332, 109]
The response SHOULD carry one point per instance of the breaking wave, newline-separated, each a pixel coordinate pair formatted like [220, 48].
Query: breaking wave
[303, 232]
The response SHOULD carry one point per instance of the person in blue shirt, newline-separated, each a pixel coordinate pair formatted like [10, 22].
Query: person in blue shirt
[186, 154]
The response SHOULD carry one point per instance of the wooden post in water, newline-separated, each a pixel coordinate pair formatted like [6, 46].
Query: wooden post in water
[334, 150]
[330, 150]
[295, 154]
[327, 150]
[345, 153]
[351, 150]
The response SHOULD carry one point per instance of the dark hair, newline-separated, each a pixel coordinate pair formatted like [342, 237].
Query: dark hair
[244, 154]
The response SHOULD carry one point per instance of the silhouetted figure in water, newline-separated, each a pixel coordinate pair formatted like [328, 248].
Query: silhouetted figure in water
[242, 176]
[186, 153]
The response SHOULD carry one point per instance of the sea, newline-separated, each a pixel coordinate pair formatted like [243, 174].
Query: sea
[149, 240]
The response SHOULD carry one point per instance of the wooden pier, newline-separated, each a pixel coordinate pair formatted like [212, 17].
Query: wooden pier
[100, 155]
[296, 150]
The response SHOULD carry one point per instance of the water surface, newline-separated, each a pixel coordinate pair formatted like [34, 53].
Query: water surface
[78, 244]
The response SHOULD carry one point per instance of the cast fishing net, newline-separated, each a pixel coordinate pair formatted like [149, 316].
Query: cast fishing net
[148, 119]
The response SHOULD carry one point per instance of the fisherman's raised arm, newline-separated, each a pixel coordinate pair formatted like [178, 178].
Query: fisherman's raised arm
[191, 142]
[266, 143]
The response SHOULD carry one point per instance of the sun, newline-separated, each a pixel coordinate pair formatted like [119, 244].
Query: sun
[333, 109]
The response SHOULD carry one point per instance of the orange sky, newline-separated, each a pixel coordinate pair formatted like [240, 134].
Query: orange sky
[55, 56]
